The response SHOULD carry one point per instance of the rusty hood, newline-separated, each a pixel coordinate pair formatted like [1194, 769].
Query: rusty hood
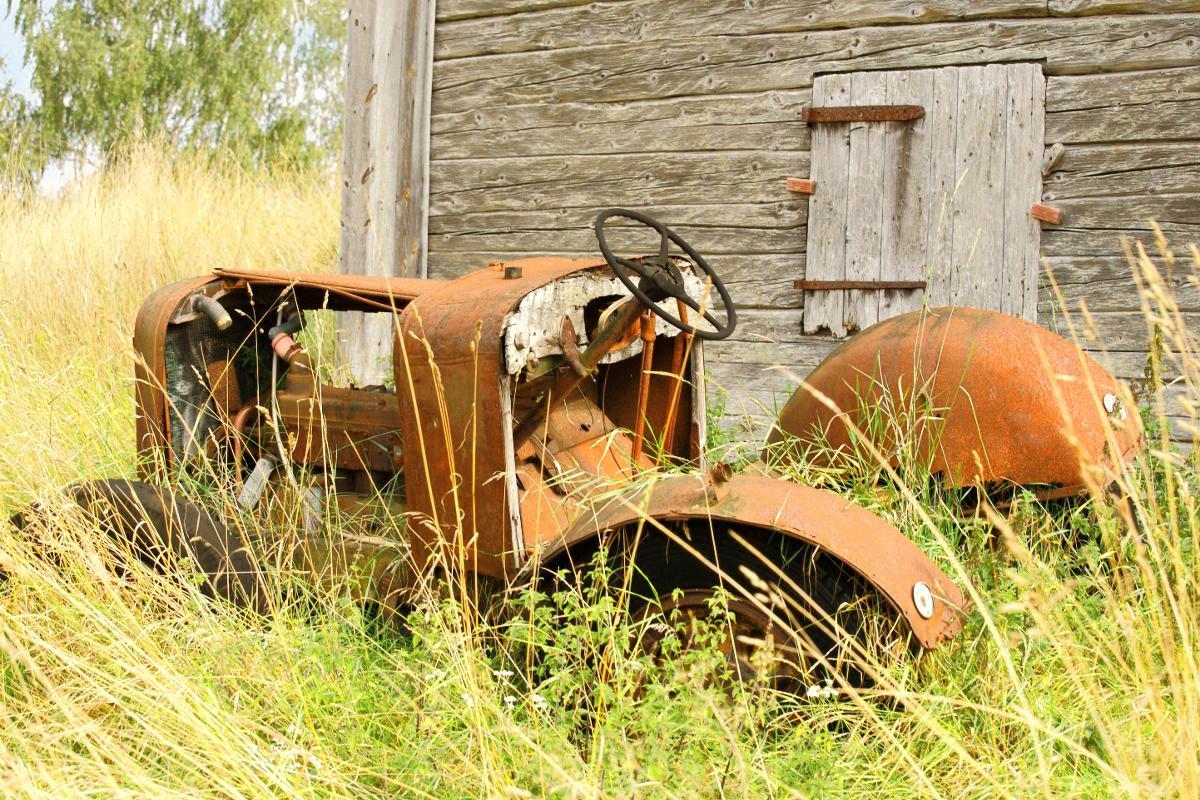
[983, 397]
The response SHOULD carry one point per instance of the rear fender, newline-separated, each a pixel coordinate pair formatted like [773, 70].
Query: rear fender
[863, 542]
[991, 399]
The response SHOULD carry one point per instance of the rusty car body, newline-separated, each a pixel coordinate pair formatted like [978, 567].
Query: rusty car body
[534, 404]
[983, 399]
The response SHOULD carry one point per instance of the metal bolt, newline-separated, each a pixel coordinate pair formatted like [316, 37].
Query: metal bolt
[1114, 406]
[923, 599]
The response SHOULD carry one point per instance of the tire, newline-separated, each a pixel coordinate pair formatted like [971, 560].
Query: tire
[806, 650]
[162, 528]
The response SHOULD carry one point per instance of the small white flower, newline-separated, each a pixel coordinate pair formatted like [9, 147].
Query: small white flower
[539, 702]
[816, 691]
[435, 675]
[316, 762]
[468, 701]
[509, 701]
[503, 674]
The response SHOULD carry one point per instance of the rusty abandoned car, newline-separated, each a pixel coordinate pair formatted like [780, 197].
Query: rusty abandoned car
[535, 405]
[545, 408]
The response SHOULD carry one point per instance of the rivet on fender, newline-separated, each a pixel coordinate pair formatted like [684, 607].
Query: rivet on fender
[923, 599]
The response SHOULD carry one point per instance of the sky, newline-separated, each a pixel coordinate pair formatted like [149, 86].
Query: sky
[12, 54]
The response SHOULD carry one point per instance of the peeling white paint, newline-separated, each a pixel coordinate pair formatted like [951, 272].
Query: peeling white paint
[532, 331]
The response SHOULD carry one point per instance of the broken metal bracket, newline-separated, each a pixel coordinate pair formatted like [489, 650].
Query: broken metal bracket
[570, 348]
[1046, 213]
[801, 185]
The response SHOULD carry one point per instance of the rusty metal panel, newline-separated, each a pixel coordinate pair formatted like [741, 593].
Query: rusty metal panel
[983, 407]
[862, 541]
[448, 381]
[814, 115]
[150, 378]
[359, 291]
[329, 426]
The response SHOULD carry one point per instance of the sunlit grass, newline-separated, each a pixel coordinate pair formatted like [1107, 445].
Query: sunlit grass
[1077, 675]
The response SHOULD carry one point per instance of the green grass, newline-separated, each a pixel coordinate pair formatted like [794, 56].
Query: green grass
[1077, 675]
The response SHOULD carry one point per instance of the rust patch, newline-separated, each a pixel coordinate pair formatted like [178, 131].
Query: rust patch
[979, 403]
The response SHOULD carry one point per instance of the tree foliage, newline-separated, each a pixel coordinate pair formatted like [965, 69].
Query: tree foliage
[258, 77]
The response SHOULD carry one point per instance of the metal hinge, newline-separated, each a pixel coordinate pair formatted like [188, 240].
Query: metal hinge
[818, 114]
[824, 286]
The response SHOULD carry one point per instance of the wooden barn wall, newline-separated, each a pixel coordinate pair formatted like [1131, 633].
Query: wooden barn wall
[545, 111]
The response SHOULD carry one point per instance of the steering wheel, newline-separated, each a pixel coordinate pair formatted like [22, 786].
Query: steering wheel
[660, 278]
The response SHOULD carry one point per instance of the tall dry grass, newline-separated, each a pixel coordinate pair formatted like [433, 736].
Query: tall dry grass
[1078, 675]
[74, 270]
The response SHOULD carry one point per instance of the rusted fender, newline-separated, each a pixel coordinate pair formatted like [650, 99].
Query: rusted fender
[984, 393]
[859, 539]
[150, 375]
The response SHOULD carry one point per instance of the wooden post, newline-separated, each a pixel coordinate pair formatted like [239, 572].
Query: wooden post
[385, 167]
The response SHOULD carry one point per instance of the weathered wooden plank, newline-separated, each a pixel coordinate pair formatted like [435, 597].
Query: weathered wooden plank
[1129, 365]
[941, 116]
[1175, 213]
[357, 140]
[466, 9]
[1078, 7]
[1105, 284]
[758, 121]
[774, 326]
[1068, 270]
[651, 20]
[826, 240]
[725, 64]
[1082, 242]
[1114, 330]
[415, 66]
[1111, 295]
[745, 228]
[1145, 105]
[1100, 91]
[906, 154]
[1122, 169]
[385, 172]
[864, 212]
[754, 280]
[361, 183]
[596, 181]
[1172, 119]
[1017, 268]
[979, 123]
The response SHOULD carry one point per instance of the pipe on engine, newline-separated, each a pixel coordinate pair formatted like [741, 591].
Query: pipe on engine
[213, 310]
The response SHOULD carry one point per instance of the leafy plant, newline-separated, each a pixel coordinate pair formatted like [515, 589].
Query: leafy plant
[258, 78]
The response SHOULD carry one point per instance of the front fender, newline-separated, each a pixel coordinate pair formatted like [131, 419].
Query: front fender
[859, 539]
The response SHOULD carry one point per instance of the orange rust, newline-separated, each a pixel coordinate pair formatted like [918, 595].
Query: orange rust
[682, 349]
[462, 464]
[451, 416]
[981, 405]
[149, 340]
[375, 290]
[639, 424]
[1046, 213]
[801, 185]
[856, 537]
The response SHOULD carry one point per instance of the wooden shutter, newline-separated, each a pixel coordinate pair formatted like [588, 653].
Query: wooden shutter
[944, 198]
